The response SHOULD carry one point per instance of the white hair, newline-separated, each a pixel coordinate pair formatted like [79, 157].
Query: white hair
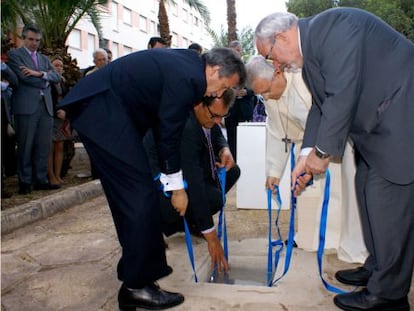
[258, 68]
[274, 23]
[99, 51]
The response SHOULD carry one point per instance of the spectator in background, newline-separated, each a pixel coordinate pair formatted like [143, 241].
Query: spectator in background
[61, 128]
[242, 109]
[198, 163]
[33, 110]
[8, 143]
[156, 43]
[196, 47]
[109, 53]
[100, 59]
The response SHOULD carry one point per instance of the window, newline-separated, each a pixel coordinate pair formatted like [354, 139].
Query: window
[143, 23]
[91, 42]
[185, 43]
[114, 15]
[75, 39]
[115, 48]
[175, 40]
[127, 50]
[154, 30]
[185, 16]
[174, 8]
[127, 16]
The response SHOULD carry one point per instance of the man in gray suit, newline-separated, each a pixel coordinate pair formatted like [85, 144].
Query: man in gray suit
[348, 56]
[33, 111]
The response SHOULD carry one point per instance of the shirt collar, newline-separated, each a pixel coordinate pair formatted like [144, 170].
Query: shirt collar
[30, 52]
[299, 43]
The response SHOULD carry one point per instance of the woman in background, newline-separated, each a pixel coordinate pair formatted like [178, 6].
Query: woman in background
[61, 129]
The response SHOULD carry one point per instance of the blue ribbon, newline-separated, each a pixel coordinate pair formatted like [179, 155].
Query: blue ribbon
[279, 242]
[322, 235]
[222, 226]
[190, 248]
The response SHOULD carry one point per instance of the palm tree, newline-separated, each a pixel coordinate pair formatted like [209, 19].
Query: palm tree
[231, 20]
[198, 5]
[246, 38]
[56, 18]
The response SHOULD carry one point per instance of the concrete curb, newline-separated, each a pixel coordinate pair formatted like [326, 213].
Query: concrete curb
[18, 216]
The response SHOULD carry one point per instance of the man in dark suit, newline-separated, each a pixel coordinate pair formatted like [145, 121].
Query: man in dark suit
[32, 108]
[347, 57]
[112, 110]
[199, 171]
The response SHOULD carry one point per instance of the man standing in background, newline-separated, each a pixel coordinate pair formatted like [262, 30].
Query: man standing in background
[32, 107]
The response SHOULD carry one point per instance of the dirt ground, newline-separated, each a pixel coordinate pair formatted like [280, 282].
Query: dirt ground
[71, 179]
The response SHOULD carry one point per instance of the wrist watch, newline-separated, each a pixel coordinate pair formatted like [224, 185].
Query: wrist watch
[320, 154]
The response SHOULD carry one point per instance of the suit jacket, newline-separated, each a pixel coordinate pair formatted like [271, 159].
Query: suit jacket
[155, 89]
[28, 93]
[195, 162]
[360, 72]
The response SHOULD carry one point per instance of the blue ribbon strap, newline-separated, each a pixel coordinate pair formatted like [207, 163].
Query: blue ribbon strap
[322, 235]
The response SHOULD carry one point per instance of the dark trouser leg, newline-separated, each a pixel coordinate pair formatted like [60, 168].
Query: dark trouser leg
[231, 128]
[133, 200]
[387, 216]
[42, 144]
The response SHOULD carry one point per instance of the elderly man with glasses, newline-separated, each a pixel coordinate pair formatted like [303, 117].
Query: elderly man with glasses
[287, 102]
[346, 56]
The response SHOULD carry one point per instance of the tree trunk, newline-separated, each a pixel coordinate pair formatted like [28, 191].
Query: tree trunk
[231, 20]
[164, 24]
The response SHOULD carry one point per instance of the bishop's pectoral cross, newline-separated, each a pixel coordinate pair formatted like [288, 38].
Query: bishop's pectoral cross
[287, 141]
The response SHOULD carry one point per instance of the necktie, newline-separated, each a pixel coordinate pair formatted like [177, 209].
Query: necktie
[211, 153]
[34, 58]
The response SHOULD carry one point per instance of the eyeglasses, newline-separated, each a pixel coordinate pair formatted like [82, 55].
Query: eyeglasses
[216, 116]
[269, 55]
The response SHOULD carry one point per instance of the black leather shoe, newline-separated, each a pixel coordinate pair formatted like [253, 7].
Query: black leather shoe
[46, 186]
[358, 276]
[363, 300]
[151, 297]
[25, 188]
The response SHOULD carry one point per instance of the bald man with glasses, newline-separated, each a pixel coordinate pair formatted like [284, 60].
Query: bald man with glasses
[287, 102]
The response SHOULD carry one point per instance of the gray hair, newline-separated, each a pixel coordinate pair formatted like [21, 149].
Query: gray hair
[101, 51]
[229, 63]
[31, 27]
[234, 43]
[274, 23]
[258, 68]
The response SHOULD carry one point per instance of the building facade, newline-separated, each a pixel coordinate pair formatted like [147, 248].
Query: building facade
[127, 25]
